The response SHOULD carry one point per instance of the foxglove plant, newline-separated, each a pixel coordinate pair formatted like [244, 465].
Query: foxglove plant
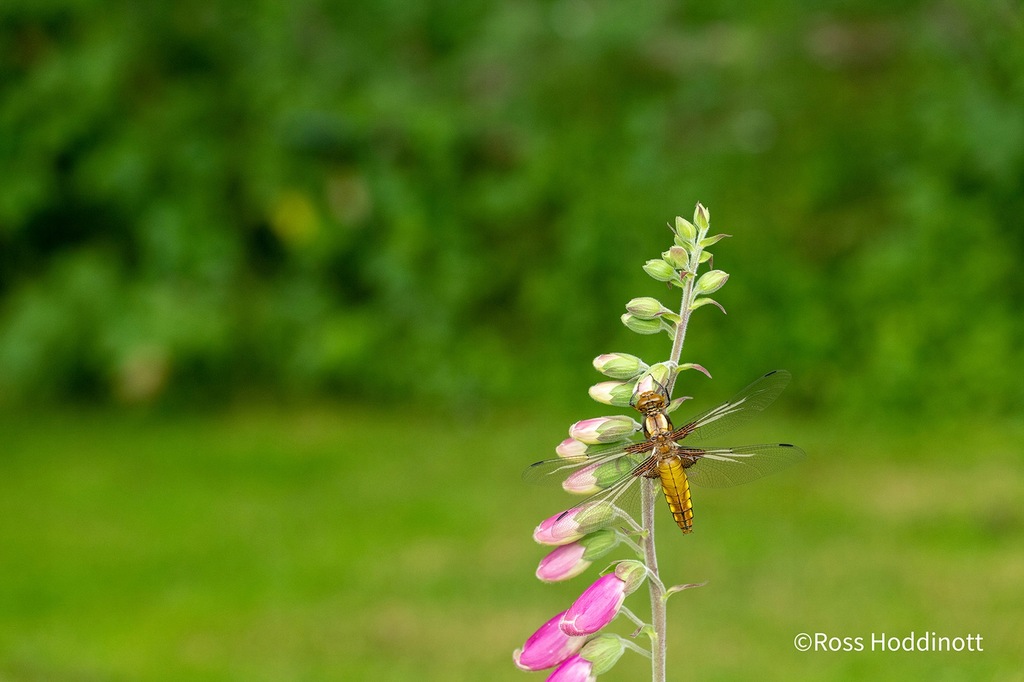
[572, 642]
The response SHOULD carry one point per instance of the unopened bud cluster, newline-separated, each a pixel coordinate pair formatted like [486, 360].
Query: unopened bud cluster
[679, 266]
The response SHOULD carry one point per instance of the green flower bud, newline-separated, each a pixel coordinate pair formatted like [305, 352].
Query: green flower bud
[598, 544]
[660, 372]
[603, 652]
[711, 281]
[645, 307]
[660, 270]
[639, 326]
[685, 229]
[595, 516]
[677, 257]
[701, 217]
[608, 473]
[619, 365]
[657, 378]
[633, 573]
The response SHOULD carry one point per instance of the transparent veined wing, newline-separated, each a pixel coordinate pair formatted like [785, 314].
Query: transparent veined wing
[558, 468]
[608, 480]
[737, 411]
[724, 467]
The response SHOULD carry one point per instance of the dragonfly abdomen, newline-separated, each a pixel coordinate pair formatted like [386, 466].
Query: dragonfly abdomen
[676, 487]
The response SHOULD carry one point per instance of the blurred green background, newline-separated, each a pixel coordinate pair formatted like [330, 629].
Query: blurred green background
[291, 292]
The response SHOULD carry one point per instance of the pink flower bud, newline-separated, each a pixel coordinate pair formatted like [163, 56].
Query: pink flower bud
[560, 529]
[603, 429]
[547, 647]
[571, 525]
[598, 476]
[615, 393]
[570, 448]
[619, 365]
[568, 561]
[573, 669]
[563, 563]
[596, 607]
[582, 481]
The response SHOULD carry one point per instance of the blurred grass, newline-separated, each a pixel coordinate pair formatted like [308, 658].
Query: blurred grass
[332, 542]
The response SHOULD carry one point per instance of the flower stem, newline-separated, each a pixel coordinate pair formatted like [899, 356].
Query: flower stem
[689, 294]
[684, 320]
[658, 618]
[659, 621]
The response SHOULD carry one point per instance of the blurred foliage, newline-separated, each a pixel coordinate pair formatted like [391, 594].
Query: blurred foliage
[453, 199]
[252, 544]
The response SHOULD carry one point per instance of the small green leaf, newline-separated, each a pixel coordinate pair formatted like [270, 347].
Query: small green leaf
[711, 241]
[693, 365]
[676, 402]
[705, 256]
[671, 317]
[703, 301]
[679, 588]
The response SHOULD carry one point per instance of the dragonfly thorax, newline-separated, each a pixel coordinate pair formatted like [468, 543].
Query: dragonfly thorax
[658, 429]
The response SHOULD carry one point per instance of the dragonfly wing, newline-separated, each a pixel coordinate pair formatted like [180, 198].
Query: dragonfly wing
[743, 407]
[724, 467]
[557, 468]
[618, 497]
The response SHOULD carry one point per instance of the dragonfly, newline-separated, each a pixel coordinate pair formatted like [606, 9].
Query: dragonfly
[616, 469]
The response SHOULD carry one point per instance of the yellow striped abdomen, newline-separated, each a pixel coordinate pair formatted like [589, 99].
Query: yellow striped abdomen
[677, 492]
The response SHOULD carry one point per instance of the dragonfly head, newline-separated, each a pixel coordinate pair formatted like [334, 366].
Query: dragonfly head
[650, 402]
[650, 395]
